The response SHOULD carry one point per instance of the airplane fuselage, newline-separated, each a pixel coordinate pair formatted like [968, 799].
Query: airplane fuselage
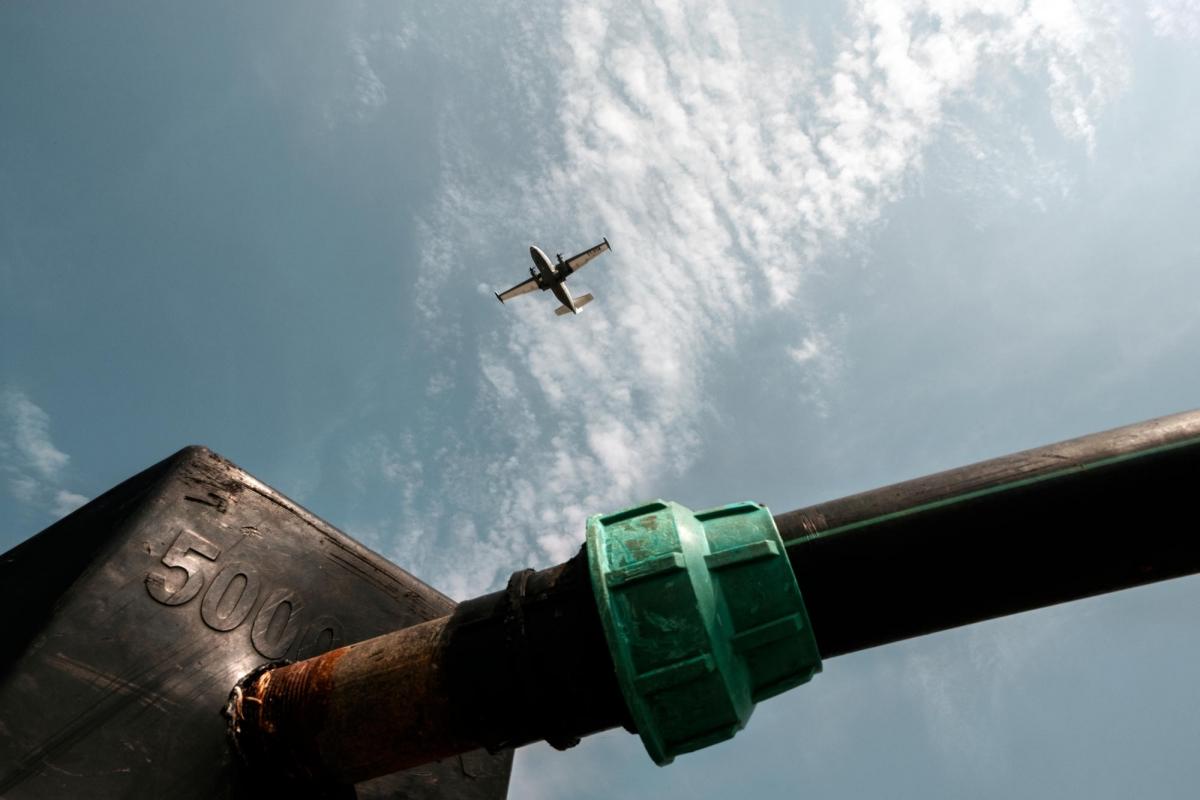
[548, 276]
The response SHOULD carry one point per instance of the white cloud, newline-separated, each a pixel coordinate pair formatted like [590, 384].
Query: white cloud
[369, 94]
[29, 457]
[820, 363]
[339, 77]
[501, 378]
[23, 488]
[439, 384]
[962, 683]
[1175, 19]
[396, 464]
[812, 347]
[65, 502]
[721, 169]
[30, 429]
[1003, 173]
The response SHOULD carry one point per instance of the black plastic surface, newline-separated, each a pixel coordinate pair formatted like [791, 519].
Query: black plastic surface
[129, 621]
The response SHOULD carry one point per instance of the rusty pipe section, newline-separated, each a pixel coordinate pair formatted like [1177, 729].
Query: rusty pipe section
[370, 709]
[525, 664]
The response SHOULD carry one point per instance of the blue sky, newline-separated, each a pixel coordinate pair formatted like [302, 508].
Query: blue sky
[852, 244]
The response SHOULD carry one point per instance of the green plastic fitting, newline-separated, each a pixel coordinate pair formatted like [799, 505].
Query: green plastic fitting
[703, 618]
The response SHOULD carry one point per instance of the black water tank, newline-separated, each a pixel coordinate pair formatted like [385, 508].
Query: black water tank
[126, 624]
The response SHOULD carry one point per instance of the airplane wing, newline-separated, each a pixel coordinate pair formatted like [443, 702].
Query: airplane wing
[519, 289]
[576, 262]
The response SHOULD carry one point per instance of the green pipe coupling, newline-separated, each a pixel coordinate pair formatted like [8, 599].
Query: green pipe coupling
[703, 618]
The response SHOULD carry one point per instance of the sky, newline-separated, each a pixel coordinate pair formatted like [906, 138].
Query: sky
[852, 244]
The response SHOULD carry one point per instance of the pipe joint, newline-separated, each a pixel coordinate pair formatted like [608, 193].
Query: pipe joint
[703, 618]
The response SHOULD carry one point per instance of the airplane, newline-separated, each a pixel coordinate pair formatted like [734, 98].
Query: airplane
[552, 277]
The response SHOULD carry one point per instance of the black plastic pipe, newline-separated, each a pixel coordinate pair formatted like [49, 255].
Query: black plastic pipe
[1096, 514]
[1090, 515]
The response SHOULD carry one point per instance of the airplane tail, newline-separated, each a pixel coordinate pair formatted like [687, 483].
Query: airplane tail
[580, 302]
